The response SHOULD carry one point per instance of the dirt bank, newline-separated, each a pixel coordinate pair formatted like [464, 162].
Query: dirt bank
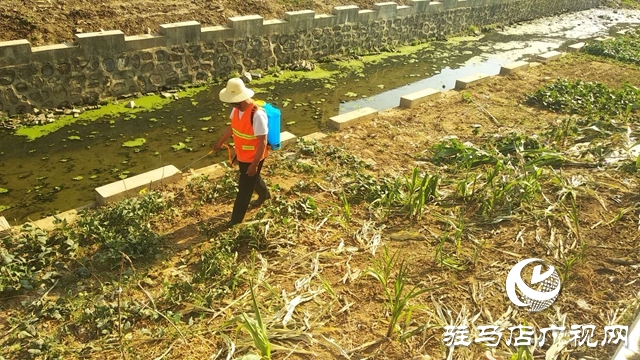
[45, 22]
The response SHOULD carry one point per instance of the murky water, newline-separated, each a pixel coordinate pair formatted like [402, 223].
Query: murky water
[60, 171]
[490, 52]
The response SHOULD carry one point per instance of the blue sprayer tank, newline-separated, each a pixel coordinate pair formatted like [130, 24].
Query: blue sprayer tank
[274, 115]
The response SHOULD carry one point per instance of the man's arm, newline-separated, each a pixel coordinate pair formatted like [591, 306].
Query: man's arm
[262, 144]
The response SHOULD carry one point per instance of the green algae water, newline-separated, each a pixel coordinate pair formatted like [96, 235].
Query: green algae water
[56, 167]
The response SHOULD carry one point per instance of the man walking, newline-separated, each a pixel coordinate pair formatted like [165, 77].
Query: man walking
[249, 128]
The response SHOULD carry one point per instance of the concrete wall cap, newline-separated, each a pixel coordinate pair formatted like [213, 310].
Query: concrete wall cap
[99, 33]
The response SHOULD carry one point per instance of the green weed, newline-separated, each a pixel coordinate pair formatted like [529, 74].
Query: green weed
[420, 190]
[625, 48]
[257, 329]
[586, 98]
[397, 298]
[27, 259]
[123, 227]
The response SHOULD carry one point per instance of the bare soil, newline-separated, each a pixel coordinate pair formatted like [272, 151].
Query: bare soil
[46, 22]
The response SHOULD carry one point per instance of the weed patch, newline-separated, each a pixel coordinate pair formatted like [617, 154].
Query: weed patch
[586, 98]
[625, 48]
[123, 227]
[28, 258]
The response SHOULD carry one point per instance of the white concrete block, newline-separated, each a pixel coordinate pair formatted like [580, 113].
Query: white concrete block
[212, 171]
[602, 38]
[467, 81]
[550, 56]
[4, 225]
[286, 138]
[418, 97]
[132, 186]
[514, 67]
[346, 120]
[317, 136]
[576, 47]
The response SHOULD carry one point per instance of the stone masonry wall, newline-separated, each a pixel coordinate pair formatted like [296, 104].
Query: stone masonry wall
[109, 64]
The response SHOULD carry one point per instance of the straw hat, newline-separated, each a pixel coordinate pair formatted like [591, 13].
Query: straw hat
[235, 92]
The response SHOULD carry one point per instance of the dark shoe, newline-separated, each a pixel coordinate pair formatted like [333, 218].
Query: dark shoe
[230, 224]
[259, 201]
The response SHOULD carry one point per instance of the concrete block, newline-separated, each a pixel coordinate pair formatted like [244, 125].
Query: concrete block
[346, 14]
[386, 10]
[317, 136]
[276, 26]
[513, 67]
[243, 26]
[4, 225]
[132, 186]
[212, 34]
[550, 56]
[108, 43]
[212, 171]
[144, 41]
[324, 20]
[602, 38]
[404, 11]
[54, 52]
[367, 16]
[435, 7]
[449, 4]
[15, 52]
[346, 120]
[467, 81]
[576, 47]
[286, 138]
[181, 33]
[300, 20]
[420, 6]
[418, 97]
[49, 223]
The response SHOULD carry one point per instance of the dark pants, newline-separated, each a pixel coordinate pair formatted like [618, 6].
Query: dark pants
[246, 185]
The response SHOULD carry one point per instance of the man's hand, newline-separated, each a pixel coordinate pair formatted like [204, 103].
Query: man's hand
[253, 169]
[216, 146]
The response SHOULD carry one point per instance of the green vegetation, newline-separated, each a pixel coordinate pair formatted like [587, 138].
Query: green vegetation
[111, 110]
[124, 227]
[134, 143]
[29, 258]
[397, 298]
[625, 48]
[587, 98]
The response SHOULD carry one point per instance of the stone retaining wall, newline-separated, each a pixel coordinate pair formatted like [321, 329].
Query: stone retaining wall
[109, 64]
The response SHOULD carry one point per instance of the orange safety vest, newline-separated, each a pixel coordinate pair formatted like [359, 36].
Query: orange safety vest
[246, 144]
